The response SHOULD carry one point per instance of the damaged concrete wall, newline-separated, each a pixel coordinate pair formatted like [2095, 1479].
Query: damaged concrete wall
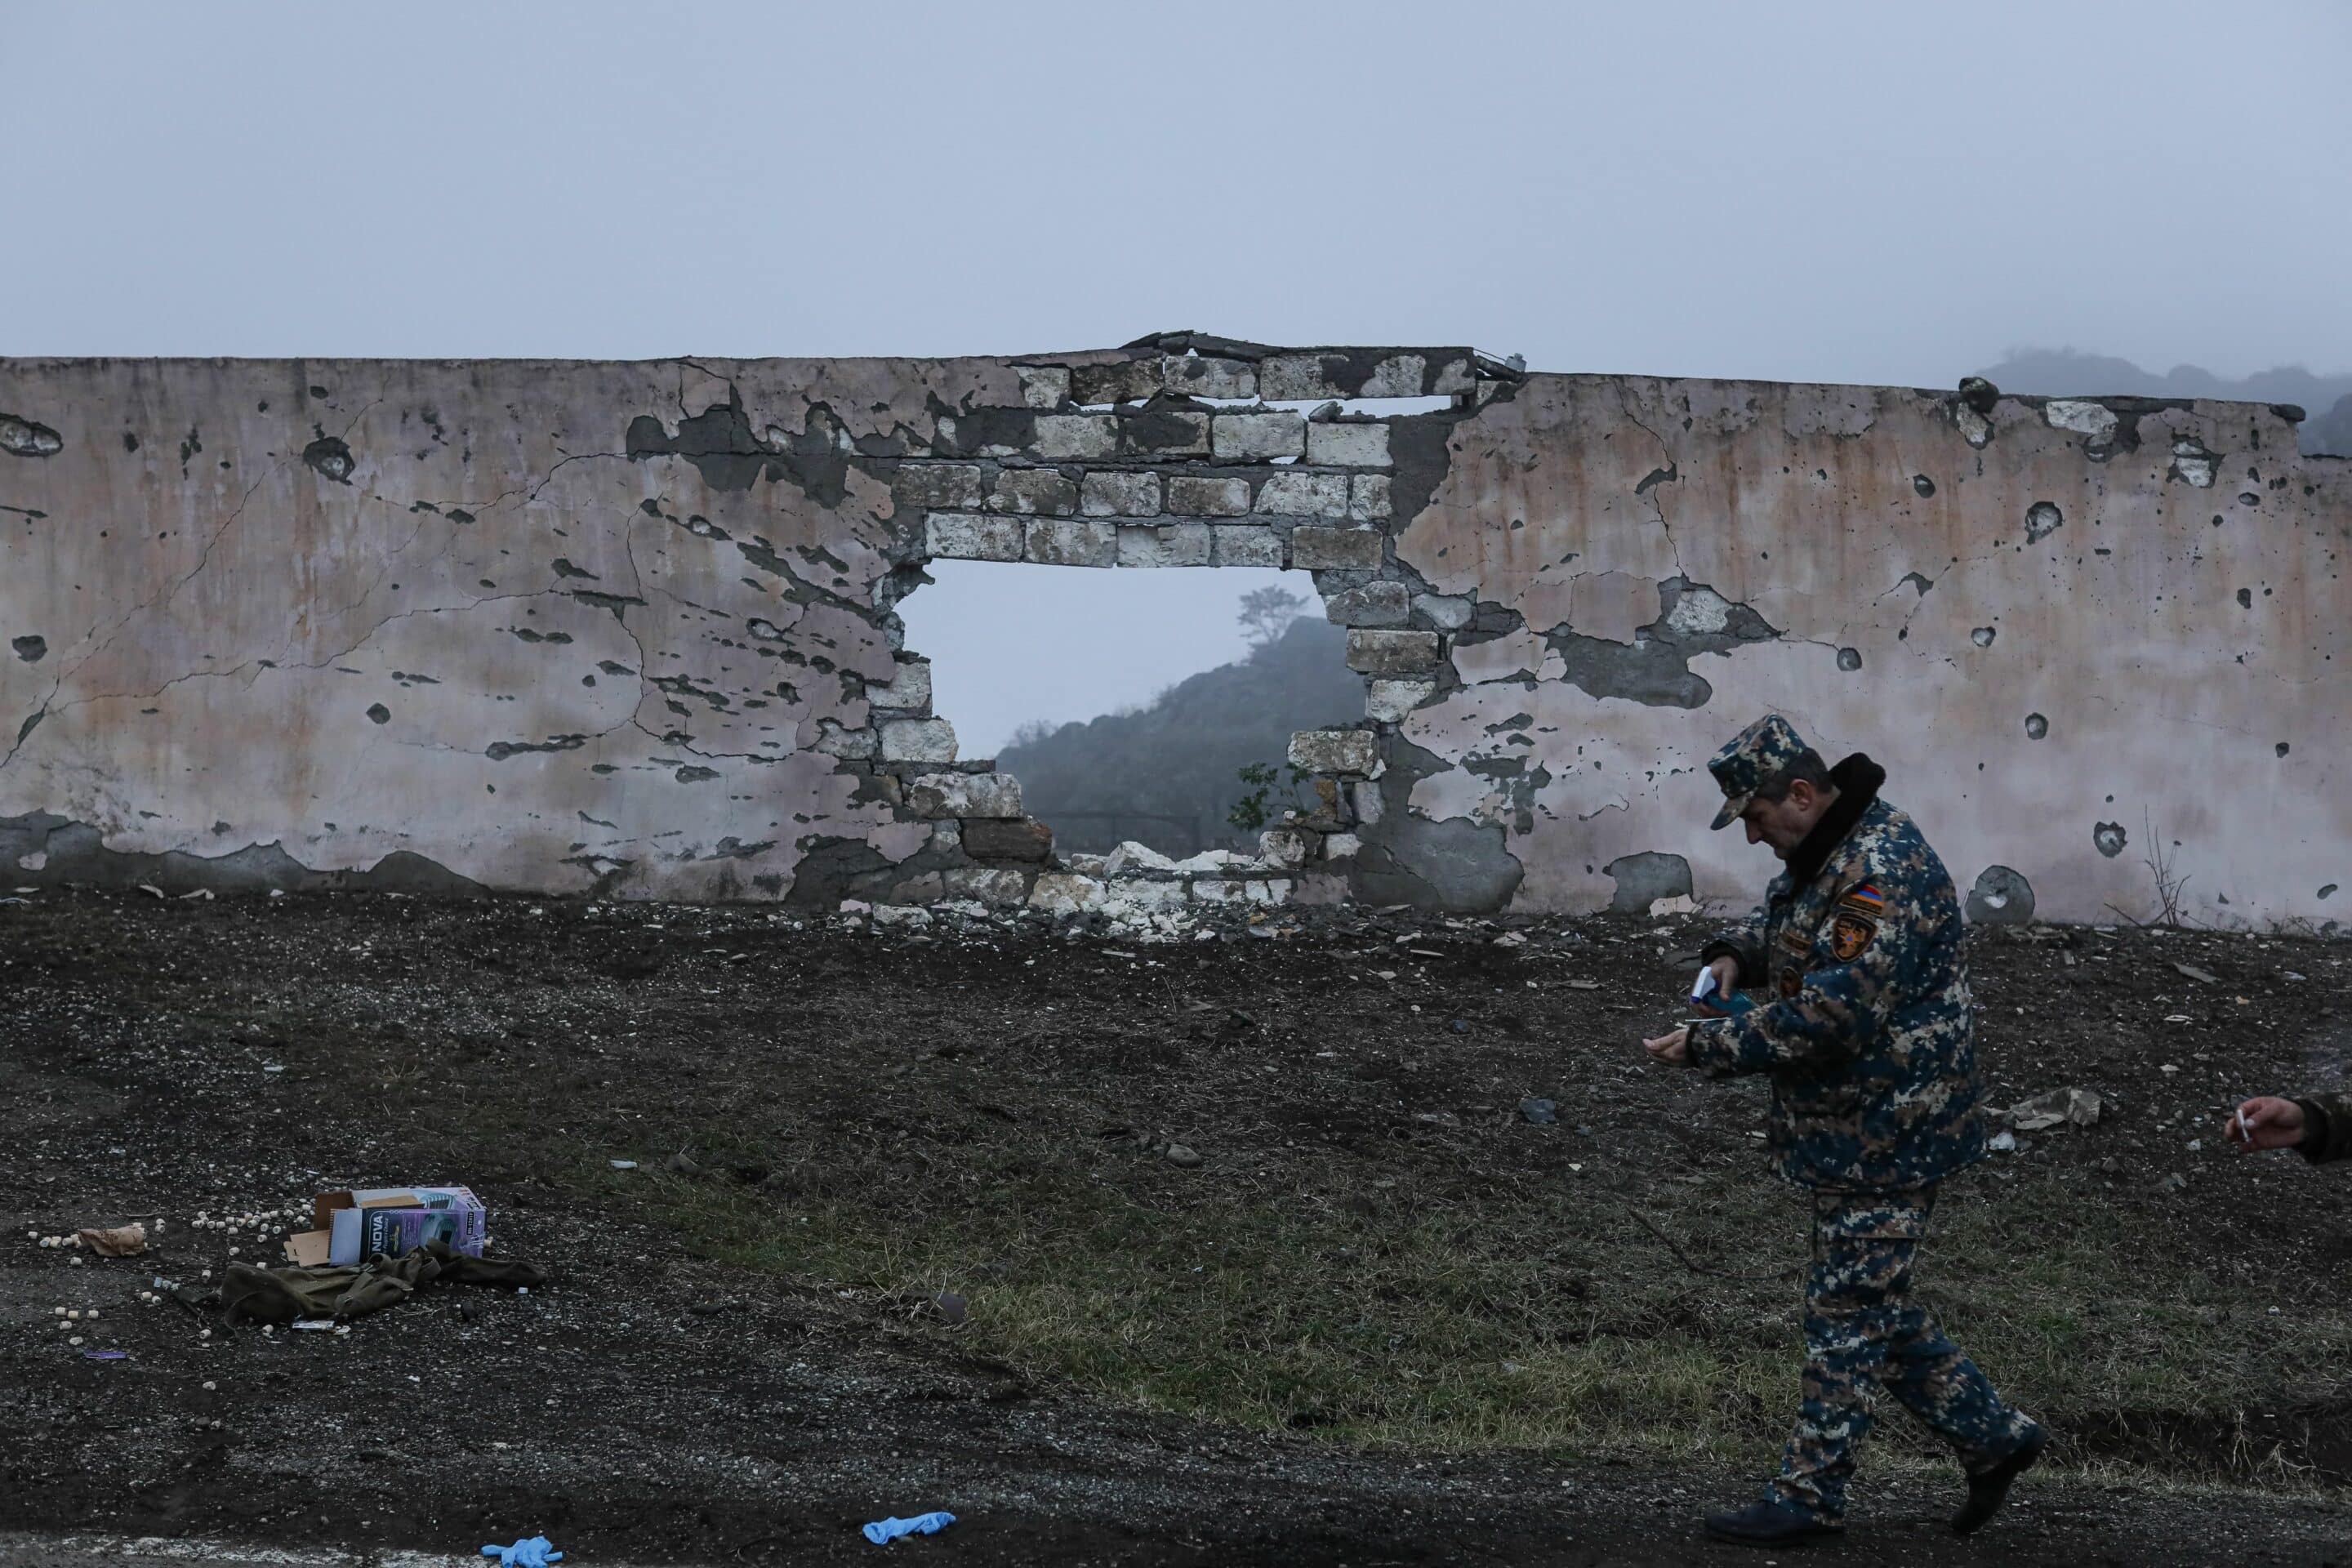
[629, 628]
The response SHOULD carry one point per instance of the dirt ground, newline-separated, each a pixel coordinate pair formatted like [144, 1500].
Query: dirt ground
[744, 1352]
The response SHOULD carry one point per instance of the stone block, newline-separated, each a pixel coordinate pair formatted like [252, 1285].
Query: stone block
[1452, 378]
[1341, 845]
[1191, 495]
[1364, 798]
[1079, 438]
[919, 741]
[887, 915]
[1109, 493]
[1244, 544]
[988, 839]
[1165, 433]
[1295, 494]
[1294, 378]
[1163, 545]
[1333, 750]
[1398, 375]
[1060, 893]
[1071, 542]
[1122, 381]
[1043, 386]
[1284, 846]
[1389, 699]
[909, 689]
[1255, 438]
[1336, 549]
[1380, 603]
[1199, 375]
[939, 795]
[1371, 652]
[947, 838]
[1368, 498]
[851, 745]
[930, 487]
[971, 536]
[1034, 492]
[1446, 613]
[1131, 858]
[989, 885]
[1349, 445]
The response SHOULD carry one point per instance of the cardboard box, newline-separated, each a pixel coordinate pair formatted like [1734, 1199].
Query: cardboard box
[354, 1225]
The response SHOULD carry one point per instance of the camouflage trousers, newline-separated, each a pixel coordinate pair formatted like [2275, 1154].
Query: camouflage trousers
[1864, 1333]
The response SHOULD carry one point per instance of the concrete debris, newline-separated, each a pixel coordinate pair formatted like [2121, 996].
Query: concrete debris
[2059, 1107]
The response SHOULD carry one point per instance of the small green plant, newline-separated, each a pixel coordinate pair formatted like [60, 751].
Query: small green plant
[1250, 813]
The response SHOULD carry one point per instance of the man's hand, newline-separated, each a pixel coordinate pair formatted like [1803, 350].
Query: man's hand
[2264, 1121]
[1725, 971]
[1672, 1049]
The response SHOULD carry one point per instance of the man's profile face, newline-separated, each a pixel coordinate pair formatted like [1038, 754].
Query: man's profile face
[1783, 822]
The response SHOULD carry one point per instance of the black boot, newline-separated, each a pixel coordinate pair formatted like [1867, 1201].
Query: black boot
[1771, 1522]
[1989, 1491]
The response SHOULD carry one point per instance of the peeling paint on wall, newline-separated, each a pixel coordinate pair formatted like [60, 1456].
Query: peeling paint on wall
[630, 629]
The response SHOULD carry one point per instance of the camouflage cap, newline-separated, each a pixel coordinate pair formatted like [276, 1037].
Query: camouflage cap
[1752, 759]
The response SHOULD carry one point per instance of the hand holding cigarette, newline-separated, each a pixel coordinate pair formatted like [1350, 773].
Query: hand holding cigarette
[2264, 1121]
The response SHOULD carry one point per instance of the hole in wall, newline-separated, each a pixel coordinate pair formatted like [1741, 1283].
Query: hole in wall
[1127, 702]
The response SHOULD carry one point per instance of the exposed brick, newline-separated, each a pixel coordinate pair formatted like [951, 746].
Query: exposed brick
[1191, 495]
[1454, 376]
[1388, 701]
[1244, 544]
[1043, 386]
[1035, 492]
[1398, 375]
[1165, 433]
[933, 795]
[1122, 381]
[1071, 542]
[1391, 653]
[1163, 545]
[951, 487]
[1254, 438]
[1332, 751]
[1077, 437]
[1198, 375]
[1373, 604]
[851, 745]
[971, 536]
[910, 688]
[1349, 445]
[1340, 845]
[1108, 493]
[1449, 614]
[1368, 498]
[1291, 378]
[988, 884]
[988, 839]
[919, 741]
[1297, 494]
[1336, 549]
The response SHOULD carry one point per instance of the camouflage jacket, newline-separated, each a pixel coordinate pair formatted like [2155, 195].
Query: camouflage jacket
[2326, 1127]
[1864, 1023]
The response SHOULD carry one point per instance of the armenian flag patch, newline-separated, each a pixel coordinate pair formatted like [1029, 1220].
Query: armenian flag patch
[1856, 922]
[1866, 901]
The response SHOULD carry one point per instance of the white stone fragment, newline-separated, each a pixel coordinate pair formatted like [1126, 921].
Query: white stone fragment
[1444, 612]
[2092, 419]
[1044, 386]
[899, 915]
[1064, 893]
[919, 741]
[1341, 845]
[909, 689]
[1332, 751]
[985, 886]
[1131, 858]
[1163, 545]
[1700, 610]
[1398, 375]
[1285, 847]
[1368, 498]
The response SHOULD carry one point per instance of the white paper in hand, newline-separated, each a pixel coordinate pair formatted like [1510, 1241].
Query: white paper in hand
[1703, 986]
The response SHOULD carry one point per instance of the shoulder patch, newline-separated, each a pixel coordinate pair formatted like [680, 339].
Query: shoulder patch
[1850, 933]
[1864, 899]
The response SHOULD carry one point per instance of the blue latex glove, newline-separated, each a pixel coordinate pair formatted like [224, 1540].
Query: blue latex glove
[883, 1531]
[534, 1551]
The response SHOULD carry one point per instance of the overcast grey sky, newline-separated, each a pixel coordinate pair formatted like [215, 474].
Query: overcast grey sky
[1867, 192]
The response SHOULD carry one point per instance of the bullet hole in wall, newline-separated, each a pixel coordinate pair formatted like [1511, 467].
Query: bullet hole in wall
[30, 649]
[2036, 726]
[2282, 748]
[2042, 519]
[1849, 659]
[1923, 484]
[1982, 636]
[379, 713]
[2110, 838]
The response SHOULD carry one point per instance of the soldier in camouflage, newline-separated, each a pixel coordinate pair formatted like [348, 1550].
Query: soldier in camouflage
[2318, 1127]
[1863, 1028]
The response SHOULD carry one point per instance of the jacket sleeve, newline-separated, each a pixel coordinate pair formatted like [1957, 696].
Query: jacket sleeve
[1835, 1016]
[1744, 944]
[2327, 1127]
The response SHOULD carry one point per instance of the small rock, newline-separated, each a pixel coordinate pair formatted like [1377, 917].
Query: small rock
[1540, 1112]
[2004, 1141]
[1179, 1155]
[2198, 974]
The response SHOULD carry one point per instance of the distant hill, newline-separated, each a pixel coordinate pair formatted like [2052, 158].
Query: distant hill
[2326, 400]
[1104, 780]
